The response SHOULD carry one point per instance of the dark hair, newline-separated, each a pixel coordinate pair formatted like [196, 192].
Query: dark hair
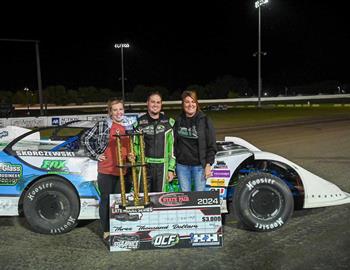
[154, 93]
[192, 94]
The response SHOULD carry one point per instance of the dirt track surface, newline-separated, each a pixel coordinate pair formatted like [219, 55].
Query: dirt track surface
[312, 239]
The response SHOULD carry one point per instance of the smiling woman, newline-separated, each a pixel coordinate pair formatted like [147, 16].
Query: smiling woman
[195, 145]
[101, 145]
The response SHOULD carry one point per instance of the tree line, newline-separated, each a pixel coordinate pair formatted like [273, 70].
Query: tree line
[223, 87]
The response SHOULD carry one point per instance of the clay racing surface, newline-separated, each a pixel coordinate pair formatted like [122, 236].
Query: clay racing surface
[312, 239]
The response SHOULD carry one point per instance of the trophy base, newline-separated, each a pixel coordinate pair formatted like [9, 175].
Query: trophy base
[133, 205]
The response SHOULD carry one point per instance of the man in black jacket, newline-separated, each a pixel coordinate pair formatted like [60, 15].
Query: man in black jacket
[159, 140]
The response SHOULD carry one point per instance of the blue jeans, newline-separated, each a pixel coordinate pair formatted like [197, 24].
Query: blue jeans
[187, 174]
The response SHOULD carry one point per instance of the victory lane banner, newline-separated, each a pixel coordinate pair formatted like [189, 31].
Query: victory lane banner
[173, 220]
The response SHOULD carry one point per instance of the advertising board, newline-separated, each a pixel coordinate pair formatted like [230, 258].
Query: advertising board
[173, 220]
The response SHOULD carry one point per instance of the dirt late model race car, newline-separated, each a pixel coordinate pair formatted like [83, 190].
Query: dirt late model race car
[46, 175]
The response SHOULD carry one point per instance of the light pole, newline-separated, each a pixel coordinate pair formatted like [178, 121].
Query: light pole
[38, 70]
[121, 46]
[258, 5]
[26, 89]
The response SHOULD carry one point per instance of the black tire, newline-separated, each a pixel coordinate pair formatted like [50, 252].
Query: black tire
[263, 202]
[51, 206]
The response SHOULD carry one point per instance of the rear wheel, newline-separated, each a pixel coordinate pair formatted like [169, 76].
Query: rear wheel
[51, 206]
[263, 202]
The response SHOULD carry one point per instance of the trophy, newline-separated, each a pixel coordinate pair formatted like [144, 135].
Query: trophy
[137, 202]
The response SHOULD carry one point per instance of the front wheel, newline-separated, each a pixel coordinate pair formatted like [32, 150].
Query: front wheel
[51, 206]
[263, 202]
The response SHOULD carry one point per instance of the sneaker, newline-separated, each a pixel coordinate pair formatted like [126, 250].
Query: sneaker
[106, 237]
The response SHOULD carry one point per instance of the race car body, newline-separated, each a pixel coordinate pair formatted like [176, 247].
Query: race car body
[46, 174]
[264, 187]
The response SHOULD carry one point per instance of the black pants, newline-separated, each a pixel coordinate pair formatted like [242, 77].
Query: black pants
[155, 175]
[108, 184]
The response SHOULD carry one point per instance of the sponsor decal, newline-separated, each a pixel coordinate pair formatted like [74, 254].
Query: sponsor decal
[220, 165]
[9, 167]
[252, 184]
[28, 122]
[54, 165]
[217, 182]
[143, 122]
[160, 129]
[65, 120]
[70, 222]
[10, 173]
[221, 190]
[149, 130]
[4, 134]
[173, 199]
[165, 240]
[221, 173]
[278, 223]
[125, 241]
[45, 153]
[204, 239]
[55, 121]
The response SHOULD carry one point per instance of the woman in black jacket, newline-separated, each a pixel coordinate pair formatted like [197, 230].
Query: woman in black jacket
[195, 144]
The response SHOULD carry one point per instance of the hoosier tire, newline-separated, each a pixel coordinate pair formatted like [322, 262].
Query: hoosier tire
[263, 202]
[51, 206]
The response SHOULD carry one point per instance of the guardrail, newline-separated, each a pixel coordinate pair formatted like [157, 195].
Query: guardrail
[43, 121]
[201, 101]
[60, 120]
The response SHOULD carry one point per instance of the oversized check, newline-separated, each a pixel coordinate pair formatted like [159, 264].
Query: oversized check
[173, 220]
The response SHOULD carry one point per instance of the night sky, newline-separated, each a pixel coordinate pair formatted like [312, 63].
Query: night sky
[175, 44]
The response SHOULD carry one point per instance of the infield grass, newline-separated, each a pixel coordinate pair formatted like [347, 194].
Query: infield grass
[247, 117]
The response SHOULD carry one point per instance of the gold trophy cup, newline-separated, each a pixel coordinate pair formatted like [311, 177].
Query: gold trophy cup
[137, 202]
